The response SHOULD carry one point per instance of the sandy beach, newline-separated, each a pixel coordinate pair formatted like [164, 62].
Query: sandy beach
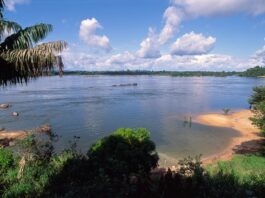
[249, 140]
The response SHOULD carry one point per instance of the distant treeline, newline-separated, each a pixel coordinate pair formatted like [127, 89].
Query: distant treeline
[158, 73]
[254, 72]
[257, 71]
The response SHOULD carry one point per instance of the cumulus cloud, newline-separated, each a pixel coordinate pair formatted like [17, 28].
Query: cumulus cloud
[193, 44]
[127, 60]
[10, 4]
[88, 34]
[197, 8]
[150, 46]
[120, 59]
[173, 17]
[258, 58]
[189, 52]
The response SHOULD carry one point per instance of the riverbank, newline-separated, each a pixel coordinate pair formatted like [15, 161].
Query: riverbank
[249, 141]
[8, 137]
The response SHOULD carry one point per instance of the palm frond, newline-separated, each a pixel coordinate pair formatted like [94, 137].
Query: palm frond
[9, 27]
[22, 65]
[9, 74]
[27, 37]
[54, 47]
[2, 5]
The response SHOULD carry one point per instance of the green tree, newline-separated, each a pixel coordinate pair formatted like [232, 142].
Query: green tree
[258, 95]
[254, 72]
[21, 57]
[259, 118]
[130, 151]
[116, 159]
[258, 102]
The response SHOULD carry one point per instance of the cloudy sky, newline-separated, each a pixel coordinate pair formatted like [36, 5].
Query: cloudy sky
[172, 35]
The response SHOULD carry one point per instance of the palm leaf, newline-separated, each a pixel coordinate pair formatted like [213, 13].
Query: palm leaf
[9, 27]
[55, 47]
[26, 38]
[9, 75]
[2, 4]
[22, 65]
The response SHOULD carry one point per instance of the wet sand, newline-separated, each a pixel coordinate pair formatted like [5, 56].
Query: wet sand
[249, 141]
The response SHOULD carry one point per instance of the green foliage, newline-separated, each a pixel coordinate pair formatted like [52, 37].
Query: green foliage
[119, 166]
[257, 100]
[126, 151]
[258, 95]
[254, 72]
[159, 73]
[259, 117]
[244, 167]
[115, 159]
[246, 171]
[6, 160]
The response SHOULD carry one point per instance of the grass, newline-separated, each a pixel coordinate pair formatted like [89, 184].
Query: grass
[244, 167]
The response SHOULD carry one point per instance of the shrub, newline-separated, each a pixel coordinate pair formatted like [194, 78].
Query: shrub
[6, 160]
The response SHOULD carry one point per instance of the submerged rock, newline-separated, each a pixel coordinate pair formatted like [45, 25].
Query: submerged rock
[4, 106]
[15, 114]
[126, 85]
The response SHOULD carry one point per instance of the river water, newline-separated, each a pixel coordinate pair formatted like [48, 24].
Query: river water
[91, 108]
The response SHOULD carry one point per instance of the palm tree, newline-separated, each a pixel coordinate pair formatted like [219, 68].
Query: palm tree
[21, 57]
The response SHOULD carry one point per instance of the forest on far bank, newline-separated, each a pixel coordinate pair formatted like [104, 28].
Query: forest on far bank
[257, 71]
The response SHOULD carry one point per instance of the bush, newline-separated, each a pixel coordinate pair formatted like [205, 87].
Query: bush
[116, 159]
[258, 95]
[259, 117]
[257, 100]
[6, 160]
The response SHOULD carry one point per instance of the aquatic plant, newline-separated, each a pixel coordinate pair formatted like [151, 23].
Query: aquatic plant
[226, 111]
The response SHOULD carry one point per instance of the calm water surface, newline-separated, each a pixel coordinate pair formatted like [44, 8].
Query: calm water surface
[91, 108]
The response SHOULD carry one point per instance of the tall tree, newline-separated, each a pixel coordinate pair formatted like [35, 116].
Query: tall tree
[21, 57]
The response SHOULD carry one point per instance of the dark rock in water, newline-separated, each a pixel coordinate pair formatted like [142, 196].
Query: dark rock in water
[126, 85]
[15, 114]
[4, 106]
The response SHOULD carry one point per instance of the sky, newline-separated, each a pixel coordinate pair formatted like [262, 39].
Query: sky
[175, 35]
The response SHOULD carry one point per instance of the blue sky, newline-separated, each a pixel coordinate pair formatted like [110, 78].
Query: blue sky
[151, 34]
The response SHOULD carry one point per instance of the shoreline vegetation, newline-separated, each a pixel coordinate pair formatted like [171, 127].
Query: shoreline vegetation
[258, 72]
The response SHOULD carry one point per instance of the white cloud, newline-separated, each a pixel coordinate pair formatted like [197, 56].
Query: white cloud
[120, 59]
[258, 58]
[193, 44]
[173, 17]
[196, 8]
[149, 46]
[10, 4]
[75, 60]
[188, 53]
[88, 34]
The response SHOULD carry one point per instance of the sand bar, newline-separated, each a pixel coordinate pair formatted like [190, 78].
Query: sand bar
[249, 141]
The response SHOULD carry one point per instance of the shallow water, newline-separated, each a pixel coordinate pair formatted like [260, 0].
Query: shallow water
[91, 108]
